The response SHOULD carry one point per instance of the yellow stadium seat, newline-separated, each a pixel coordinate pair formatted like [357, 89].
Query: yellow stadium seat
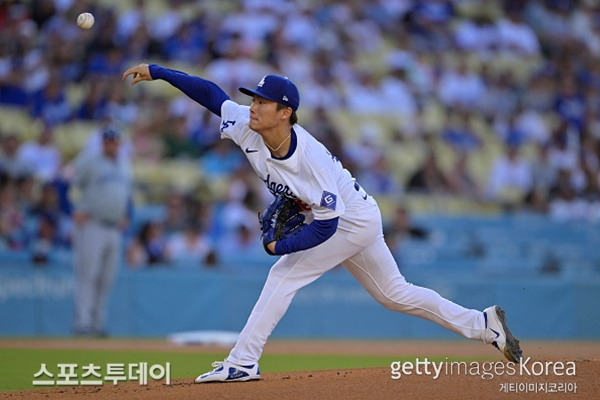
[70, 138]
[76, 94]
[17, 120]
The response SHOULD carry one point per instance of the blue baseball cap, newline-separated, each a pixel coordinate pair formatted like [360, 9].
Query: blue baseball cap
[111, 133]
[276, 88]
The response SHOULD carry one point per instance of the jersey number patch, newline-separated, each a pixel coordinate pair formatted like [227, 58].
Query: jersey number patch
[328, 200]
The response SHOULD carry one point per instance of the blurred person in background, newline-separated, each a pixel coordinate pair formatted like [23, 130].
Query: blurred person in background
[26, 193]
[461, 87]
[590, 165]
[191, 248]
[149, 247]
[12, 217]
[241, 248]
[565, 205]
[178, 211]
[460, 180]
[147, 146]
[511, 178]
[177, 140]
[379, 179]
[400, 228]
[221, 161]
[42, 156]
[458, 133]
[50, 104]
[100, 215]
[46, 239]
[429, 177]
[93, 106]
[10, 163]
[47, 206]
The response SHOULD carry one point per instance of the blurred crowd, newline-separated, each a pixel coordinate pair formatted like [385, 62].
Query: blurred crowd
[494, 102]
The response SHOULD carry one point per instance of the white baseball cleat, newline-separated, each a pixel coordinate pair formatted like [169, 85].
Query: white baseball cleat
[498, 334]
[226, 371]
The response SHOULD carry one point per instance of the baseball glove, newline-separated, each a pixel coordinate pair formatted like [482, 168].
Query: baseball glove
[282, 219]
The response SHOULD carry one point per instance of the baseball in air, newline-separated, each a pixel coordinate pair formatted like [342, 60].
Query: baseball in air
[85, 20]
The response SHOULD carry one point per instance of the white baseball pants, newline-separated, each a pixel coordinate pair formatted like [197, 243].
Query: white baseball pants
[360, 247]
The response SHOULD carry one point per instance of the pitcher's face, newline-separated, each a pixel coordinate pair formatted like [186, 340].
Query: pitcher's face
[265, 116]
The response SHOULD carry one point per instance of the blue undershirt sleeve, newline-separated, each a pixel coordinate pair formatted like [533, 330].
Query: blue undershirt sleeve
[200, 90]
[312, 235]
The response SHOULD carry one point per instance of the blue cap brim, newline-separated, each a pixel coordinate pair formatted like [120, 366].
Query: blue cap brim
[111, 137]
[251, 92]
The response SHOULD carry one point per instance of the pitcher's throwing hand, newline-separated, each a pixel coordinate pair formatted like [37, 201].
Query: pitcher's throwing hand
[140, 73]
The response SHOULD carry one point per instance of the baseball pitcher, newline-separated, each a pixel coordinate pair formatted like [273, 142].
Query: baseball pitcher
[321, 217]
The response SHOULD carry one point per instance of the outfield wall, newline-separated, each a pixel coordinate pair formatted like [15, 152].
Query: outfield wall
[161, 301]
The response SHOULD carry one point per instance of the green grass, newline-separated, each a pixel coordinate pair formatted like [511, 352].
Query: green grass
[17, 366]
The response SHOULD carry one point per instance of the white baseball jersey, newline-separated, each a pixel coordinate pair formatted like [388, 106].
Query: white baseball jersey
[311, 174]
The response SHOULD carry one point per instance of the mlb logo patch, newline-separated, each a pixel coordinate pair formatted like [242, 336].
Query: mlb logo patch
[328, 200]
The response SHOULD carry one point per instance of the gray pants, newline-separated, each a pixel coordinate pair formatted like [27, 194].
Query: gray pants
[96, 252]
